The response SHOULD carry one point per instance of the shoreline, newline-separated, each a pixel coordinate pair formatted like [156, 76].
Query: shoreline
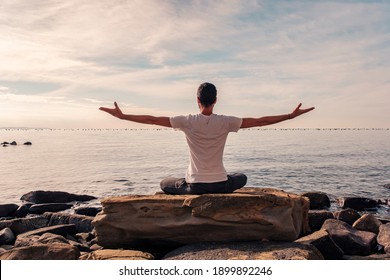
[46, 215]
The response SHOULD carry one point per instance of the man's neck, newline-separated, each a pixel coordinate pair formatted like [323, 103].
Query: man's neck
[206, 111]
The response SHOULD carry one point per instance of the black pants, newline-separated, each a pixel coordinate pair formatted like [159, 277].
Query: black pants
[172, 185]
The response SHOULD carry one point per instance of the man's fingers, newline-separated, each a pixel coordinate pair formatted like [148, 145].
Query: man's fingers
[116, 105]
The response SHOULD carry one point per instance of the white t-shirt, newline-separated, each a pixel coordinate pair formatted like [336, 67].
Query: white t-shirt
[206, 137]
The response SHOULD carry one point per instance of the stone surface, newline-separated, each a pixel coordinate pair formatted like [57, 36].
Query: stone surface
[22, 211]
[81, 222]
[324, 243]
[54, 251]
[359, 203]
[7, 210]
[109, 254]
[384, 237]
[318, 200]
[347, 215]
[369, 257]
[49, 207]
[317, 218]
[245, 251]
[88, 211]
[22, 225]
[247, 214]
[40, 197]
[46, 238]
[62, 230]
[7, 237]
[350, 240]
[368, 222]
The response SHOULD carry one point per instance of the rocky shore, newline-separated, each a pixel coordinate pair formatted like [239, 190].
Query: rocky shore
[251, 223]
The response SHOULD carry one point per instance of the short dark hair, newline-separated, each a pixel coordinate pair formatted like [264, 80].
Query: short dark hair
[207, 94]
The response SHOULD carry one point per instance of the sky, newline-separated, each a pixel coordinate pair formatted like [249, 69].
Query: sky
[61, 60]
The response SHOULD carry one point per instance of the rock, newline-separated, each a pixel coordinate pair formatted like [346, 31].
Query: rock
[54, 251]
[7, 210]
[22, 225]
[49, 207]
[347, 215]
[5, 143]
[254, 250]
[384, 237]
[96, 247]
[5, 146]
[54, 197]
[387, 186]
[46, 238]
[324, 243]
[317, 218]
[318, 200]
[13, 143]
[21, 212]
[367, 222]
[88, 211]
[82, 223]
[247, 214]
[7, 237]
[108, 254]
[359, 203]
[85, 236]
[350, 240]
[27, 143]
[59, 230]
[369, 257]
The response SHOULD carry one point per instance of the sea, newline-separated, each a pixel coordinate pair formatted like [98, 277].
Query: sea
[115, 162]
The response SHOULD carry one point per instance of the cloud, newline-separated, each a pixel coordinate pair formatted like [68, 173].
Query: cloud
[263, 56]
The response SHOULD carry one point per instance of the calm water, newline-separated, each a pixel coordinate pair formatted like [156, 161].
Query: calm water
[118, 162]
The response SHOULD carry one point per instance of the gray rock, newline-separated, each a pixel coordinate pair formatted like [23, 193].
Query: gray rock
[82, 223]
[88, 211]
[368, 222]
[54, 197]
[318, 200]
[54, 251]
[350, 240]
[8, 210]
[22, 211]
[27, 143]
[359, 203]
[384, 237]
[347, 215]
[13, 143]
[59, 230]
[317, 218]
[324, 243]
[7, 237]
[22, 225]
[246, 251]
[49, 207]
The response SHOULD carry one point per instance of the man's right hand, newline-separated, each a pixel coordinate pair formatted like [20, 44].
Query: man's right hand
[116, 112]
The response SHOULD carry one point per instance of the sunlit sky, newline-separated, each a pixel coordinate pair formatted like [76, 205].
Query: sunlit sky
[61, 60]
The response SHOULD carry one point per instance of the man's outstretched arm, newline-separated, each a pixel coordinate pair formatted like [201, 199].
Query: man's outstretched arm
[146, 119]
[252, 122]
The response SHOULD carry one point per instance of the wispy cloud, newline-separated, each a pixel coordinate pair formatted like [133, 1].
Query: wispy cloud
[151, 55]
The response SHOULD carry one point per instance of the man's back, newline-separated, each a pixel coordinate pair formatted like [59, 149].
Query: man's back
[206, 138]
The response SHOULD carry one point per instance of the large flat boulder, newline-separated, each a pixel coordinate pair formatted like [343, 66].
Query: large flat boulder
[249, 214]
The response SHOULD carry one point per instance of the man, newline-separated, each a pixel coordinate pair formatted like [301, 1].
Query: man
[206, 135]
